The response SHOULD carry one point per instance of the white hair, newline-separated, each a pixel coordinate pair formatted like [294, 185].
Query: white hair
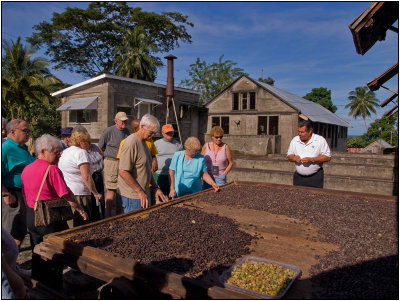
[46, 142]
[150, 121]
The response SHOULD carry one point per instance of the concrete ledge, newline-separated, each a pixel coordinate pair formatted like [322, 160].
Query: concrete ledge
[355, 184]
[330, 168]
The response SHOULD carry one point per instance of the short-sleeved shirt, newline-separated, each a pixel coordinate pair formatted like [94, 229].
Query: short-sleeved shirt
[150, 145]
[110, 140]
[95, 159]
[187, 178]
[135, 158]
[32, 176]
[69, 163]
[315, 147]
[166, 150]
[14, 158]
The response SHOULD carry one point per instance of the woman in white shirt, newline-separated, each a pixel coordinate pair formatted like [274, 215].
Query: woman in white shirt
[75, 166]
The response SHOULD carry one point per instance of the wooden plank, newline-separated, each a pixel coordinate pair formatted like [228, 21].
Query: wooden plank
[163, 281]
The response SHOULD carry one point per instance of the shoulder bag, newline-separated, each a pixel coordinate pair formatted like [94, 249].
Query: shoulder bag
[53, 211]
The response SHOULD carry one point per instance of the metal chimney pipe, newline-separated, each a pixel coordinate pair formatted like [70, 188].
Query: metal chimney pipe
[170, 76]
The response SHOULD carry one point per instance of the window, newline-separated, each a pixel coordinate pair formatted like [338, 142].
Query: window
[222, 121]
[127, 110]
[235, 104]
[83, 116]
[244, 101]
[268, 125]
[252, 100]
[273, 125]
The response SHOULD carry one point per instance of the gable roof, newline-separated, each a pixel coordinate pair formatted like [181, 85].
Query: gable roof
[110, 76]
[314, 111]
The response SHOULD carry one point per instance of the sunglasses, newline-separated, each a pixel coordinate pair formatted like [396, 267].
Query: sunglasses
[218, 137]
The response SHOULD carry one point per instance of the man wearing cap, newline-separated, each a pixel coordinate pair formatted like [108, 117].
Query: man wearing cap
[166, 147]
[109, 144]
[65, 136]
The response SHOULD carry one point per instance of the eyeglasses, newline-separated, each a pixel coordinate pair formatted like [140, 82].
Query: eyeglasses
[218, 137]
[24, 130]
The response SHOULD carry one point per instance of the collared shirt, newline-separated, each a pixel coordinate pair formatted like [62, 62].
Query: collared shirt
[14, 158]
[315, 147]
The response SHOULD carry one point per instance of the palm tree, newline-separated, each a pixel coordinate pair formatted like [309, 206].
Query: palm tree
[24, 79]
[133, 58]
[362, 103]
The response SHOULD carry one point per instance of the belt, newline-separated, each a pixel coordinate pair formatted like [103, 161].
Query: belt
[111, 158]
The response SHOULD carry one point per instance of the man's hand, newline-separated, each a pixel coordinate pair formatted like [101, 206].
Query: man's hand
[10, 199]
[144, 201]
[160, 197]
[306, 160]
[154, 164]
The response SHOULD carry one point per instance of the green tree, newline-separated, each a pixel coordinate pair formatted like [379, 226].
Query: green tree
[362, 103]
[322, 96]
[84, 40]
[210, 79]
[24, 79]
[383, 128]
[269, 80]
[133, 58]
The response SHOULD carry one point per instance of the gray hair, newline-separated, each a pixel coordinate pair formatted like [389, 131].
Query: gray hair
[150, 121]
[79, 128]
[46, 142]
[192, 143]
[13, 124]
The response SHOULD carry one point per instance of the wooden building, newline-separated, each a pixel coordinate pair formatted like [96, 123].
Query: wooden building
[261, 119]
[94, 103]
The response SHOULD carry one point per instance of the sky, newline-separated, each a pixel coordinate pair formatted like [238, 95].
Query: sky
[301, 45]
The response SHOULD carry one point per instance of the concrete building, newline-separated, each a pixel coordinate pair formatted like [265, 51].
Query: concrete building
[94, 103]
[377, 147]
[261, 119]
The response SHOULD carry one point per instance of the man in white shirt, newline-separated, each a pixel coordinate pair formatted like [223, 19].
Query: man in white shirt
[309, 151]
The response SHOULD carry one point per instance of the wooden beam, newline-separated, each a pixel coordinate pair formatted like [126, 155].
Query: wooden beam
[377, 82]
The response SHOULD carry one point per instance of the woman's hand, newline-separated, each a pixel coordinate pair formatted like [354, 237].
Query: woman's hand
[215, 186]
[83, 214]
[172, 193]
[97, 195]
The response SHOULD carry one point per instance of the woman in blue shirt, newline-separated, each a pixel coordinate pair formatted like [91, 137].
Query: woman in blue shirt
[186, 170]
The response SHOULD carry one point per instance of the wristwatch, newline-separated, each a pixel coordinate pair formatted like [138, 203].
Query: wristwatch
[313, 161]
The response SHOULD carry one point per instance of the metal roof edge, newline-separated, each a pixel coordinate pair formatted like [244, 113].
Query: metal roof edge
[111, 76]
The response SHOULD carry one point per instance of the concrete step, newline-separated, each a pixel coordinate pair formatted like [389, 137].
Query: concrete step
[330, 168]
[352, 183]
[354, 158]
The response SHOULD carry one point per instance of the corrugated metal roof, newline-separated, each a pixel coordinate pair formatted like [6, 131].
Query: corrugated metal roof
[85, 103]
[110, 76]
[314, 111]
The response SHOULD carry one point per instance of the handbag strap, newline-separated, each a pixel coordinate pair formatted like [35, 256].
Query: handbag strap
[41, 186]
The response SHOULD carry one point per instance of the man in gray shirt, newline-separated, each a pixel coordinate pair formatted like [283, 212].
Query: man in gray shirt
[109, 144]
[166, 147]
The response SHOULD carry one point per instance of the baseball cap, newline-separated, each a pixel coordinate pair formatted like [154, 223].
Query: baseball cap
[66, 131]
[167, 128]
[121, 116]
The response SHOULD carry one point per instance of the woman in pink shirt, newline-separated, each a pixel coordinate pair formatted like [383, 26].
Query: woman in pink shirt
[48, 149]
[217, 156]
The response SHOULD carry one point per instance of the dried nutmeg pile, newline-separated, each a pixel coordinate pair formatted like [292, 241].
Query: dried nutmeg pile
[185, 241]
[366, 266]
